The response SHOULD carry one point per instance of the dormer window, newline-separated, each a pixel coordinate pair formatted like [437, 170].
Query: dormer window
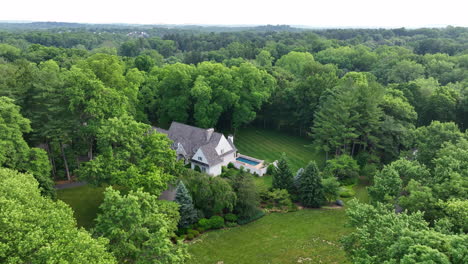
[200, 158]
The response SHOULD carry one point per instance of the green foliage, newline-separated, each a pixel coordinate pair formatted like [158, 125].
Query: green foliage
[311, 193]
[230, 217]
[188, 214]
[131, 155]
[211, 195]
[387, 185]
[344, 168]
[429, 139]
[331, 187]
[277, 199]
[282, 175]
[215, 222]
[382, 236]
[15, 152]
[139, 227]
[36, 229]
[346, 191]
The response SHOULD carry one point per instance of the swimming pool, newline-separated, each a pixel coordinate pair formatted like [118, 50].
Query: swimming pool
[251, 162]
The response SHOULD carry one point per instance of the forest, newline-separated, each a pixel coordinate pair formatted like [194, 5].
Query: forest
[77, 102]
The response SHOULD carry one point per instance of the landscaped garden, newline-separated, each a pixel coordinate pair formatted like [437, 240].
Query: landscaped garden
[307, 236]
[304, 236]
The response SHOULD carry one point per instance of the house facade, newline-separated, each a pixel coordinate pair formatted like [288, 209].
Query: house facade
[205, 148]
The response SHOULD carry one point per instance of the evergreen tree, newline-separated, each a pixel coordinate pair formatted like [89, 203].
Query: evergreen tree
[188, 214]
[310, 187]
[283, 177]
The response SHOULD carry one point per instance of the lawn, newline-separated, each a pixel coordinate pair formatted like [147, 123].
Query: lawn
[310, 235]
[269, 144]
[305, 236]
[84, 201]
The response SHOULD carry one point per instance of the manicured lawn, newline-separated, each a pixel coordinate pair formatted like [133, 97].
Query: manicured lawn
[84, 201]
[312, 235]
[269, 144]
[305, 236]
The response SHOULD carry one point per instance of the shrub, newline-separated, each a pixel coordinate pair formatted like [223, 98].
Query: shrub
[231, 165]
[231, 224]
[216, 222]
[231, 217]
[204, 223]
[270, 169]
[331, 188]
[256, 216]
[189, 237]
[344, 168]
[278, 198]
[181, 231]
[197, 168]
[346, 192]
[195, 233]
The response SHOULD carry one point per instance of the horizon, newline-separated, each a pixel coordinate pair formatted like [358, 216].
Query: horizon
[225, 25]
[297, 13]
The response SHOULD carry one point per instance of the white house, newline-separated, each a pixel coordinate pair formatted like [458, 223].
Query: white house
[200, 147]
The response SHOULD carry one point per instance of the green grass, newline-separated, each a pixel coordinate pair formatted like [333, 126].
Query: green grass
[277, 238]
[84, 201]
[310, 235]
[269, 144]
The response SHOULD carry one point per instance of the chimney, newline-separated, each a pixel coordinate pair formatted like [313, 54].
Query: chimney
[231, 138]
[209, 132]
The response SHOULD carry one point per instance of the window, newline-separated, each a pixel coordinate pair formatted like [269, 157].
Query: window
[200, 158]
[222, 151]
[203, 169]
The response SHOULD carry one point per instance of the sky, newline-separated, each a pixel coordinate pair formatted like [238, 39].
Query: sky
[313, 13]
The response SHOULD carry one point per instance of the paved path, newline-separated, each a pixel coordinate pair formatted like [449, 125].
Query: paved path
[69, 185]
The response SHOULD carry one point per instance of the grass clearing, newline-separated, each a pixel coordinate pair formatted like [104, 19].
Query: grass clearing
[84, 201]
[310, 234]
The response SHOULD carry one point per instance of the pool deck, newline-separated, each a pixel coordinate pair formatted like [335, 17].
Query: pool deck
[259, 166]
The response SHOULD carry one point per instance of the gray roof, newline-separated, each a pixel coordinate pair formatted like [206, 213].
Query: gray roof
[192, 138]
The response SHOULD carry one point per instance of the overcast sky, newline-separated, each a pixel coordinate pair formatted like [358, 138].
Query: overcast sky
[321, 13]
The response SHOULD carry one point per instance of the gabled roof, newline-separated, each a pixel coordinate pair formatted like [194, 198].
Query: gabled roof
[192, 138]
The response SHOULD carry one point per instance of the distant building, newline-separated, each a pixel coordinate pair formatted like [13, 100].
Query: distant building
[209, 150]
[200, 147]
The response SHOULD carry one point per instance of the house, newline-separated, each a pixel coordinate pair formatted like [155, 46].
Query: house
[205, 148]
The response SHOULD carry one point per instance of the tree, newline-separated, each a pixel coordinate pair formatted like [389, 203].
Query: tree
[133, 155]
[282, 176]
[381, 236]
[15, 152]
[387, 185]
[247, 201]
[398, 124]
[35, 229]
[430, 139]
[295, 62]
[405, 71]
[310, 187]
[139, 227]
[264, 59]
[188, 214]
[255, 87]
[343, 167]
[331, 187]
[211, 195]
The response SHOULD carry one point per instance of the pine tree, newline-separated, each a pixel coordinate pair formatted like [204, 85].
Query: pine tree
[310, 188]
[188, 214]
[283, 177]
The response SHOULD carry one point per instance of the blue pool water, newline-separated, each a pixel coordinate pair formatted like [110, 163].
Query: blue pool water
[251, 162]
